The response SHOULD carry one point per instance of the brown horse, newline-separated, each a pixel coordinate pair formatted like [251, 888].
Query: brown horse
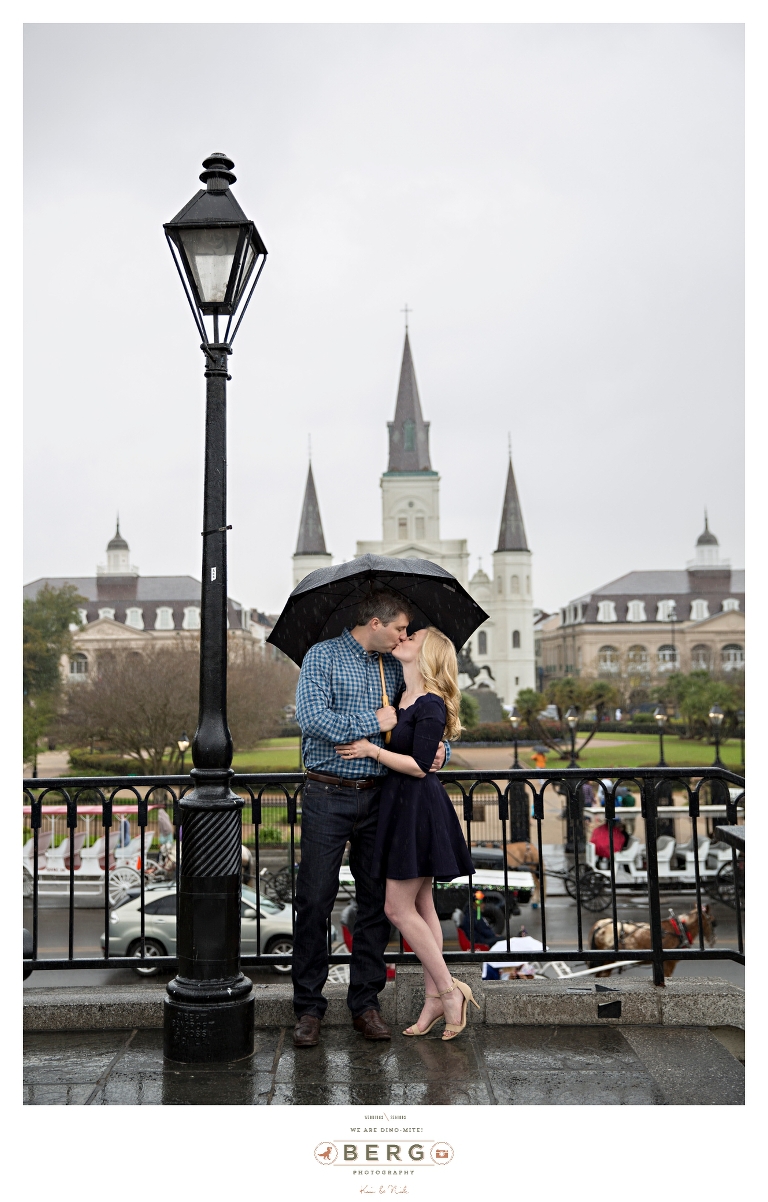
[638, 935]
[524, 855]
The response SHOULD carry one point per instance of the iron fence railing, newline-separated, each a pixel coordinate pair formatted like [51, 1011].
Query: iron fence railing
[517, 801]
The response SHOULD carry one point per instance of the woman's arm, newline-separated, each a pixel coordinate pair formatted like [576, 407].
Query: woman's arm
[363, 749]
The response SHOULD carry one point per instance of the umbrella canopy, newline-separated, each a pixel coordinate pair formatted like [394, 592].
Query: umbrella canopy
[326, 601]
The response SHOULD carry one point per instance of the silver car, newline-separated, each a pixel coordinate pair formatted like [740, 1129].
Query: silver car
[160, 927]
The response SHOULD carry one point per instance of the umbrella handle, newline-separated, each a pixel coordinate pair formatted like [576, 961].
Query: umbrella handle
[384, 695]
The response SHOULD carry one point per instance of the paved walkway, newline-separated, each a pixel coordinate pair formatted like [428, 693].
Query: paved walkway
[487, 1066]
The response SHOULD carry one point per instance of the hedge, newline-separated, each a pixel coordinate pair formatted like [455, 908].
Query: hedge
[102, 763]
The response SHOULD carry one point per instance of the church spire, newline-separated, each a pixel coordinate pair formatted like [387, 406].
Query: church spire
[310, 540]
[408, 433]
[512, 531]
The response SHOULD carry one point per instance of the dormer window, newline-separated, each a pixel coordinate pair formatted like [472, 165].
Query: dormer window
[164, 618]
[699, 610]
[191, 619]
[730, 605]
[636, 611]
[606, 611]
[107, 613]
[134, 617]
[665, 611]
[83, 616]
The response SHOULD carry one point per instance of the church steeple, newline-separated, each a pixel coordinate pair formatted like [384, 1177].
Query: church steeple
[512, 531]
[311, 540]
[408, 433]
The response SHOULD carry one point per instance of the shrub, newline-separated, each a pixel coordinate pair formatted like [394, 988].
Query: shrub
[270, 834]
[101, 763]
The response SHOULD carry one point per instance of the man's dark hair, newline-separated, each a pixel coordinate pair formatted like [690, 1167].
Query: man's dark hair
[385, 606]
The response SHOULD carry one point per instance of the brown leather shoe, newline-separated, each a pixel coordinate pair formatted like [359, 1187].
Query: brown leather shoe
[306, 1033]
[371, 1025]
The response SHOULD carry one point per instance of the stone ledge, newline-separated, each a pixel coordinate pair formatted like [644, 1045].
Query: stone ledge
[692, 1002]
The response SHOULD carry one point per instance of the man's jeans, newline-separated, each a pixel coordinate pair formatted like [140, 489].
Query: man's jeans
[331, 815]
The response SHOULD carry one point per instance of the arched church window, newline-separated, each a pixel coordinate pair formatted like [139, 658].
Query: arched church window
[668, 660]
[733, 657]
[78, 666]
[409, 436]
[608, 661]
[701, 658]
[164, 618]
[515, 639]
[499, 585]
[514, 584]
[482, 643]
[420, 525]
[402, 527]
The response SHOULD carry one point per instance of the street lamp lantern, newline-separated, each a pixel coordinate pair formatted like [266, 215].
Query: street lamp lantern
[208, 1015]
[217, 250]
[716, 716]
[660, 714]
[572, 719]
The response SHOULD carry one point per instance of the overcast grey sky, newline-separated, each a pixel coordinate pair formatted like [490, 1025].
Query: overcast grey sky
[560, 205]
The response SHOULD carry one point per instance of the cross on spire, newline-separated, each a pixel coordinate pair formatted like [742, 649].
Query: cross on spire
[406, 311]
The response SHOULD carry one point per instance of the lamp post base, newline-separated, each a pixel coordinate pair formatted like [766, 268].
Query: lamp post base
[195, 1034]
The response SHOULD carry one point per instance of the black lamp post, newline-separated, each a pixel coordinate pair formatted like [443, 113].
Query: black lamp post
[660, 714]
[716, 716]
[514, 718]
[572, 719]
[209, 1009]
[183, 746]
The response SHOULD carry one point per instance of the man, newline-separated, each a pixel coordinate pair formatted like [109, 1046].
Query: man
[338, 700]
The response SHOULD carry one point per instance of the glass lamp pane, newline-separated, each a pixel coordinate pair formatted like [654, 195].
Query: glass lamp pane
[211, 254]
[249, 253]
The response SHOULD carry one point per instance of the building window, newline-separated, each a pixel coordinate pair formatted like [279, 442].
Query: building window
[83, 615]
[514, 585]
[636, 611]
[665, 611]
[638, 661]
[701, 658]
[420, 531]
[409, 436]
[134, 617]
[107, 613]
[668, 661]
[515, 639]
[699, 610]
[528, 585]
[402, 527]
[499, 585]
[164, 619]
[606, 611]
[191, 619]
[482, 643]
[733, 657]
[608, 661]
[730, 605]
[78, 666]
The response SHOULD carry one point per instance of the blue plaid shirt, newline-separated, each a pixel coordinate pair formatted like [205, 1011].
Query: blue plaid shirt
[337, 696]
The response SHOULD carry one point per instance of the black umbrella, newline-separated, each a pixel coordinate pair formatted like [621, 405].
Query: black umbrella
[326, 601]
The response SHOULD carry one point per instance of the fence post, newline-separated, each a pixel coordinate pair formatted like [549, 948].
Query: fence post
[654, 900]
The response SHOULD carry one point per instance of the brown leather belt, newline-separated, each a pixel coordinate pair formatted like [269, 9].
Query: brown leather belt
[363, 782]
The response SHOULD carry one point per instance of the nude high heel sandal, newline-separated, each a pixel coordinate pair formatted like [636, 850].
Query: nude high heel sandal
[414, 1030]
[451, 1030]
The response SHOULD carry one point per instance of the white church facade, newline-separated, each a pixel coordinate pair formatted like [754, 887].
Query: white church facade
[410, 498]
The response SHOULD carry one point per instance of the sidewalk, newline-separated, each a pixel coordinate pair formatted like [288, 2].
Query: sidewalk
[487, 1066]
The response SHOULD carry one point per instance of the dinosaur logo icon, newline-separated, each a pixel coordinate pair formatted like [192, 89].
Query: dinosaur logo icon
[326, 1153]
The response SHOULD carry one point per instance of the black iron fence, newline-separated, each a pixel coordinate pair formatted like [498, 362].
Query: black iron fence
[110, 831]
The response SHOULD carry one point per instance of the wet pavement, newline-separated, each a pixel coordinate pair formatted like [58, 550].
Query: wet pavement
[486, 1066]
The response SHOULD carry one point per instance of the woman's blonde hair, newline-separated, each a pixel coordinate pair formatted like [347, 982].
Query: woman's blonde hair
[438, 666]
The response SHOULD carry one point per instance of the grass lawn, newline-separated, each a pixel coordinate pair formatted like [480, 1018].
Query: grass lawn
[272, 755]
[638, 751]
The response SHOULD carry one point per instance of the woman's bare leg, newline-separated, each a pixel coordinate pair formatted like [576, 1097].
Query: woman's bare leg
[400, 907]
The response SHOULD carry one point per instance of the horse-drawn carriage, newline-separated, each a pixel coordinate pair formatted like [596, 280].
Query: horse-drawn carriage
[90, 870]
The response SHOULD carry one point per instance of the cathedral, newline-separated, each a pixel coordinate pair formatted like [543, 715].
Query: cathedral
[503, 647]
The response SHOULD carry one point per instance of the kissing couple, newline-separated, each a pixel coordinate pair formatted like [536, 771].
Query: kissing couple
[371, 782]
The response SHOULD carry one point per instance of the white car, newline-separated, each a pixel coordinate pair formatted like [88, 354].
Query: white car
[160, 927]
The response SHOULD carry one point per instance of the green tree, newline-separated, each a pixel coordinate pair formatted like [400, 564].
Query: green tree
[469, 711]
[47, 636]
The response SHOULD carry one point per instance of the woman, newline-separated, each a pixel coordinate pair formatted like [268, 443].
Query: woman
[419, 836]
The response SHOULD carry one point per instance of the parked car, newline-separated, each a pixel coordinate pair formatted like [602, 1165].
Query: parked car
[160, 927]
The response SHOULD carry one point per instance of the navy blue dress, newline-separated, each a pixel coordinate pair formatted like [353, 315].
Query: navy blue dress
[419, 833]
